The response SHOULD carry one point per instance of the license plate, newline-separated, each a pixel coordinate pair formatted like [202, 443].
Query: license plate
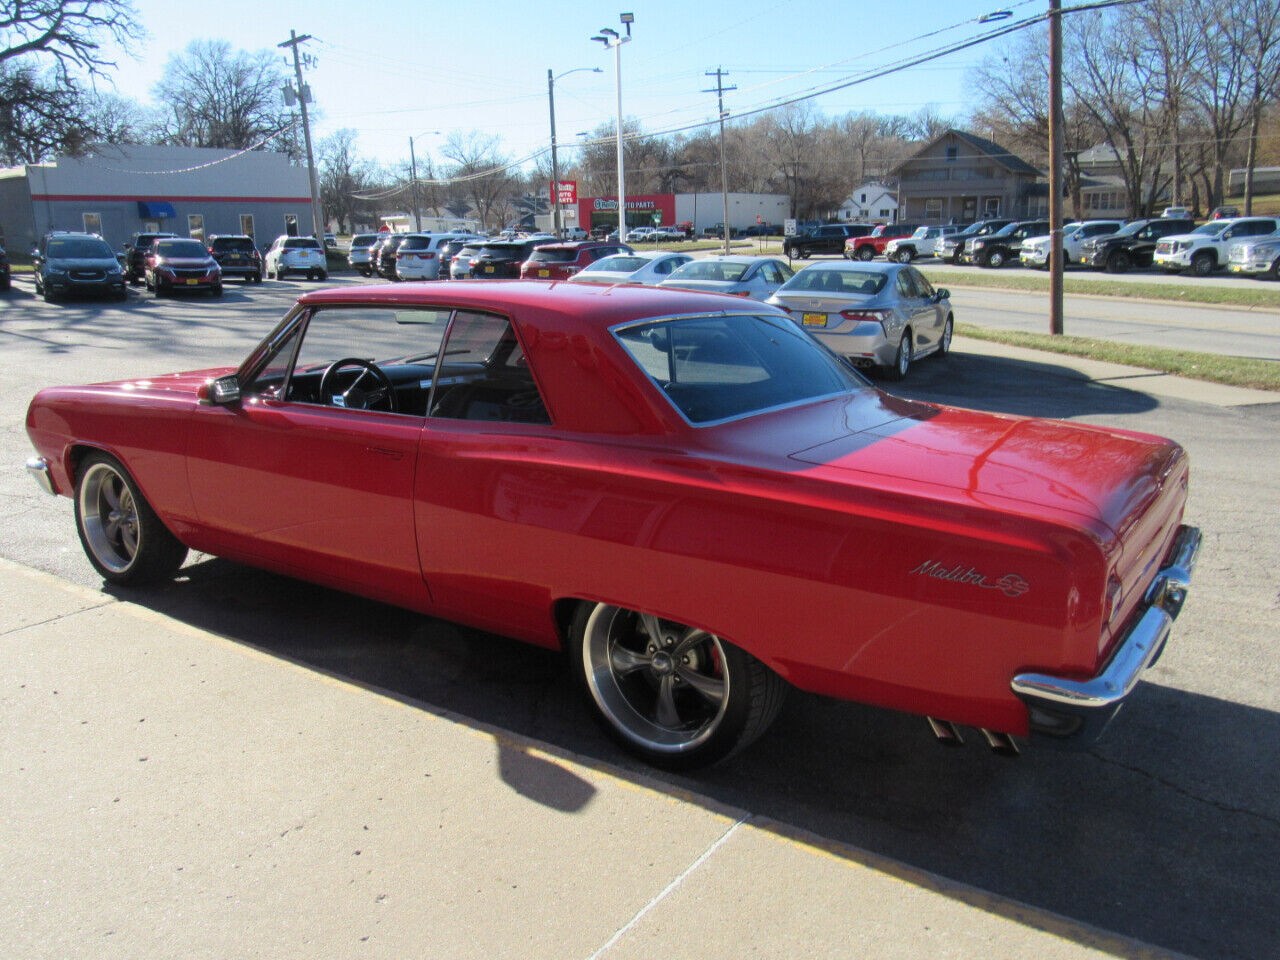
[488, 269]
[192, 283]
[544, 273]
[814, 320]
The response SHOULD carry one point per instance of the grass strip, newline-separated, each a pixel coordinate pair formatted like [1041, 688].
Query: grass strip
[1263, 295]
[1235, 371]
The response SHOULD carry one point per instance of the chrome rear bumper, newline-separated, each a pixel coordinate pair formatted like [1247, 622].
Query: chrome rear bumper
[38, 467]
[1079, 710]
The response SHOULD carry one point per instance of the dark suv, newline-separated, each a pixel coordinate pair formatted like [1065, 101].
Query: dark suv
[996, 249]
[951, 249]
[237, 256]
[382, 256]
[502, 258]
[1133, 245]
[560, 261]
[828, 238]
[66, 263]
[135, 255]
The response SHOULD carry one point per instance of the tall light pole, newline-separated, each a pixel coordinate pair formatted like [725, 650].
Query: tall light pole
[413, 180]
[719, 91]
[610, 38]
[555, 167]
[317, 215]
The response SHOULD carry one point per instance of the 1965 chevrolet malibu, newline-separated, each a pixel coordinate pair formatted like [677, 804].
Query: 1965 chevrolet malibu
[694, 499]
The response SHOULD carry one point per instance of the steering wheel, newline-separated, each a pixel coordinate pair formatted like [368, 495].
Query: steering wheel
[384, 392]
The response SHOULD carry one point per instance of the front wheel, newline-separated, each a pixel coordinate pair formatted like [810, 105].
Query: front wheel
[674, 695]
[995, 260]
[122, 536]
[902, 256]
[864, 253]
[215, 291]
[1203, 264]
[322, 276]
[944, 343]
[1119, 262]
[1274, 272]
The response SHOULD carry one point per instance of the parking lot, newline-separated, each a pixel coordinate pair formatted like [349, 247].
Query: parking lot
[1162, 839]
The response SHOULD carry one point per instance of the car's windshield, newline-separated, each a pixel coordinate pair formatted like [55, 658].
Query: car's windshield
[79, 248]
[921, 233]
[1213, 227]
[232, 243]
[1129, 229]
[718, 368]
[727, 272]
[181, 248]
[1007, 229]
[307, 243]
[862, 283]
[620, 264]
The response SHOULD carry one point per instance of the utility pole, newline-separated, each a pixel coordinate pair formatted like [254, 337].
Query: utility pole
[317, 215]
[719, 91]
[1056, 151]
[555, 167]
[413, 182]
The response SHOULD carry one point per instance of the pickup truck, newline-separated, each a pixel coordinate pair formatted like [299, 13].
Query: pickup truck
[1205, 248]
[874, 243]
[828, 238]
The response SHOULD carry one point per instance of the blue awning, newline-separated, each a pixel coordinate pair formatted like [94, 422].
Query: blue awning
[155, 209]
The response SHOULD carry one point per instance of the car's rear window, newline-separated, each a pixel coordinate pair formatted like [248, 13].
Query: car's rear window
[415, 243]
[719, 368]
[620, 264]
[506, 249]
[79, 248]
[553, 255]
[364, 240]
[181, 248]
[853, 282]
[302, 243]
[710, 270]
[232, 243]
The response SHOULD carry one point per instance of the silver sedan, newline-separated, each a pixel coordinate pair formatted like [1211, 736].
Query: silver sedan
[650, 268]
[881, 315]
[755, 277]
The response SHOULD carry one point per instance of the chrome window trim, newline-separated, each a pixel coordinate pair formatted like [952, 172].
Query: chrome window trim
[668, 318]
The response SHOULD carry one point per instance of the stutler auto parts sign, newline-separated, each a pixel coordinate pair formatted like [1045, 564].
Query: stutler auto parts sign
[566, 191]
[664, 203]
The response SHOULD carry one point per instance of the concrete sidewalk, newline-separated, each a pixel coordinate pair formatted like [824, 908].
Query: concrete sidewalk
[170, 793]
[1120, 375]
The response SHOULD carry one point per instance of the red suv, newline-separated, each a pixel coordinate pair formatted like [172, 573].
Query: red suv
[560, 261]
[868, 247]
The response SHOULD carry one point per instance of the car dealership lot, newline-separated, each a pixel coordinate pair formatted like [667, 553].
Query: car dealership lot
[1165, 832]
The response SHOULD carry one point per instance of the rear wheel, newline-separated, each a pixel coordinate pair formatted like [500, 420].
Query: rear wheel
[902, 359]
[122, 536]
[674, 695]
[322, 275]
[215, 291]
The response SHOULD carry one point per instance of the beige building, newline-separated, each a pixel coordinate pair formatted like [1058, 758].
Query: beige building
[959, 177]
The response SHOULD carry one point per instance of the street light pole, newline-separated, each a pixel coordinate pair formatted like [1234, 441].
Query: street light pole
[555, 167]
[413, 182]
[610, 38]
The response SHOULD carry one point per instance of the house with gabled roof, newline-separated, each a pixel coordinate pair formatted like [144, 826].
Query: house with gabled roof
[959, 177]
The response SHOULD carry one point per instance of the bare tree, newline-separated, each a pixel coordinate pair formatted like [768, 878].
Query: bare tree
[66, 33]
[1259, 31]
[480, 169]
[344, 176]
[218, 97]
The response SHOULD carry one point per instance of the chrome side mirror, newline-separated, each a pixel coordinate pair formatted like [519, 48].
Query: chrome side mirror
[220, 392]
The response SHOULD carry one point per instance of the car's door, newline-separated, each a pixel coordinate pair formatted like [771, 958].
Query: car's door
[918, 296]
[291, 476]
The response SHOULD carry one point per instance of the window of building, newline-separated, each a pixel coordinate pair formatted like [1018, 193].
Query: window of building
[884, 212]
[246, 224]
[990, 207]
[195, 226]
[951, 154]
[933, 208]
[92, 223]
[862, 198]
[291, 224]
[937, 173]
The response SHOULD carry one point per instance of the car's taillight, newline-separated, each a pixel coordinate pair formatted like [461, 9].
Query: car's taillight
[875, 316]
[742, 293]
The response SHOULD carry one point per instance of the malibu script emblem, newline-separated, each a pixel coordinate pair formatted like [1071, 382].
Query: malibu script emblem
[1011, 585]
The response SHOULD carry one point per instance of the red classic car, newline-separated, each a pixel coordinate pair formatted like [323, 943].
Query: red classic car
[700, 503]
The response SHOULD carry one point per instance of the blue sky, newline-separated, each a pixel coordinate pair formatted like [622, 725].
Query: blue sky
[394, 69]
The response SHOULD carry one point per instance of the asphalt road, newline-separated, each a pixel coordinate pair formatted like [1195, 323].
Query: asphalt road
[1168, 831]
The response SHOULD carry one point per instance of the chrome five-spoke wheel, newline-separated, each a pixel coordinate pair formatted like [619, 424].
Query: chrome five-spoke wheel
[677, 695]
[124, 539]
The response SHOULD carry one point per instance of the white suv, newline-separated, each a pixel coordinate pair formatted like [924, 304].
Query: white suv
[922, 243]
[1035, 250]
[296, 255]
[418, 256]
[1205, 248]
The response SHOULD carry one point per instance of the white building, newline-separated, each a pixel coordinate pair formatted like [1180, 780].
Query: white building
[871, 201]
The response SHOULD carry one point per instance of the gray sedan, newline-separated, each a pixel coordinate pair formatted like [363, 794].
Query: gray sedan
[882, 315]
[755, 277]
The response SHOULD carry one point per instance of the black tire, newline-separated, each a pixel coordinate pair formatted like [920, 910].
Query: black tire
[1203, 264]
[904, 255]
[122, 536]
[1119, 262]
[727, 700]
[995, 259]
[157, 291]
[49, 295]
[901, 359]
[281, 274]
[215, 291]
[1274, 272]
[864, 253]
[944, 342]
[5, 283]
[806, 254]
[322, 276]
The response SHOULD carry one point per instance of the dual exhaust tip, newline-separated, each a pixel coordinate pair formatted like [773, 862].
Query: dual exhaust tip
[948, 734]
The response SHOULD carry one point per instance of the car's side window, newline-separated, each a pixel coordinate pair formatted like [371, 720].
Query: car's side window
[485, 375]
[923, 287]
[906, 287]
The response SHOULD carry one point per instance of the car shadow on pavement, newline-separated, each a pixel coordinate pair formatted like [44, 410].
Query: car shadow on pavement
[1007, 385]
[1166, 832]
